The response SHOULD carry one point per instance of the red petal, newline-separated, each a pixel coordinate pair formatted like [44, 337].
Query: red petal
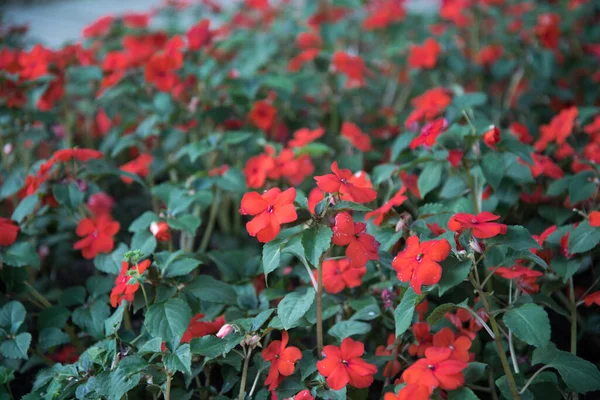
[252, 204]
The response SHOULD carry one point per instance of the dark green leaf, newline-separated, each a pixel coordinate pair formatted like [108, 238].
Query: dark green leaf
[529, 323]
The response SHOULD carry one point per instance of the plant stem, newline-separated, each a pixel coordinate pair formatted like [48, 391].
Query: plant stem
[573, 317]
[498, 339]
[168, 388]
[320, 310]
[145, 297]
[532, 378]
[214, 208]
[244, 374]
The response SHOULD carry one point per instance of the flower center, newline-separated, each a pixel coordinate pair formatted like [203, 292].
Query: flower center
[432, 367]
[344, 181]
[419, 257]
[474, 221]
[277, 356]
[345, 363]
[270, 209]
[95, 234]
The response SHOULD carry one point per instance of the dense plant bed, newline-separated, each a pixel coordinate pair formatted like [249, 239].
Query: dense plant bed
[339, 200]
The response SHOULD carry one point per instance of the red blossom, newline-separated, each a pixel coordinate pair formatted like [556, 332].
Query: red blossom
[358, 139]
[140, 166]
[437, 369]
[361, 247]
[352, 66]
[492, 137]
[343, 365]
[199, 35]
[304, 136]
[198, 328]
[595, 218]
[424, 56]
[455, 157]
[339, 274]
[429, 133]
[263, 115]
[161, 231]
[282, 358]
[459, 346]
[592, 298]
[97, 233]
[392, 368]
[124, 290]
[379, 214]
[482, 225]
[270, 210]
[8, 231]
[342, 181]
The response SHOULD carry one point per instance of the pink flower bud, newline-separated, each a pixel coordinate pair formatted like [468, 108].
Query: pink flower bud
[225, 330]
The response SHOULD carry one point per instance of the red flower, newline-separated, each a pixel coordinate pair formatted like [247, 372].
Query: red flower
[270, 210]
[342, 182]
[140, 166]
[136, 20]
[77, 154]
[123, 290]
[436, 370]
[422, 334]
[548, 29]
[199, 35]
[98, 235]
[410, 392]
[425, 56]
[419, 264]
[304, 136]
[161, 72]
[358, 139]
[593, 127]
[559, 128]
[428, 106]
[304, 57]
[198, 328]
[429, 133]
[304, 395]
[489, 54]
[455, 157]
[352, 66]
[592, 298]
[362, 247]
[595, 218]
[34, 63]
[492, 137]
[339, 274]
[543, 165]
[343, 365]
[100, 203]
[410, 181]
[263, 115]
[380, 213]
[256, 170]
[521, 132]
[8, 232]
[459, 346]
[314, 197]
[382, 13]
[516, 272]
[283, 360]
[66, 355]
[392, 368]
[161, 231]
[481, 224]
[100, 27]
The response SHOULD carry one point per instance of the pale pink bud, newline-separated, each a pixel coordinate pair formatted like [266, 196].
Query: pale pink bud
[225, 330]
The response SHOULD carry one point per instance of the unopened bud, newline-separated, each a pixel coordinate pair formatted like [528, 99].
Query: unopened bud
[475, 245]
[225, 330]
[252, 341]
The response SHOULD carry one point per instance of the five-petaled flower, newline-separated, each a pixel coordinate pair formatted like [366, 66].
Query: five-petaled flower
[8, 232]
[339, 274]
[282, 358]
[124, 290]
[429, 133]
[362, 247]
[482, 225]
[379, 214]
[345, 183]
[97, 235]
[437, 369]
[459, 346]
[270, 210]
[343, 365]
[419, 264]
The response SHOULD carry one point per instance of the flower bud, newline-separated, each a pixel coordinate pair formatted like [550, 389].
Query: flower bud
[225, 330]
[252, 341]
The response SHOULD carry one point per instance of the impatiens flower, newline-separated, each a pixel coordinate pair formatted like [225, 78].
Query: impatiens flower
[380, 213]
[521, 132]
[543, 165]
[362, 247]
[516, 271]
[314, 197]
[341, 181]
[270, 210]
[198, 328]
[482, 225]
[455, 157]
[419, 262]
[492, 137]
[595, 218]
[343, 365]
[459, 346]
[548, 29]
[282, 358]
[124, 290]
[429, 133]
[304, 395]
[489, 54]
[392, 368]
[199, 35]
[410, 392]
[558, 130]
[410, 181]
[428, 106]
[593, 127]
[161, 231]
[339, 274]
[352, 66]
[263, 115]
[436, 370]
[424, 56]
[100, 27]
[304, 136]
[256, 170]
[34, 63]
[65, 155]
[100, 203]
[383, 13]
[140, 166]
[8, 231]
[422, 334]
[592, 298]
[358, 139]
[97, 235]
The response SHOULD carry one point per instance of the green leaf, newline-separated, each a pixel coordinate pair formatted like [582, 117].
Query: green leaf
[51, 337]
[316, 241]
[441, 310]
[403, 314]
[25, 207]
[583, 238]
[271, 256]
[180, 360]
[211, 346]
[186, 222]
[111, 263]
[112, 324]
[516, 237]
[68, 195]
[261, 318]
[12, 316]
[474, 371]
[453, 274]
[430, 178]
[17, 347]
[492, 166]
[207, 288]
[91, 319]
[233, 180]
[293, 307]
[581, 376]
[143, 222]
[469, 100]
[581, 187]
[143, 241]
[464, 393]
[350, 206]
[151, 346]
[529, 323]
[180, 267]
[22, 254]
[345, 329]
[401, 143]
[168, 320]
